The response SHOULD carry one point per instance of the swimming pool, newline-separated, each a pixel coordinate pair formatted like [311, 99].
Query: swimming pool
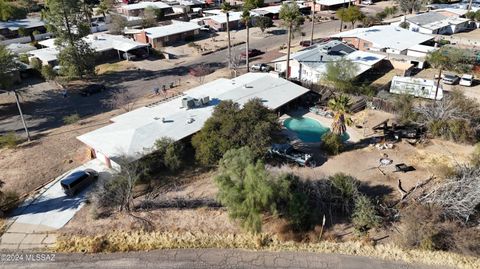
[308, 130]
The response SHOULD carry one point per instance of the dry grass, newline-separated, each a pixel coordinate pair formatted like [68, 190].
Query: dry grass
[137, 241]
[113, 67]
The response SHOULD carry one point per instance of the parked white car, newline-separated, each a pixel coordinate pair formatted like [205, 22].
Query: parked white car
[466, 80]
[367, 2]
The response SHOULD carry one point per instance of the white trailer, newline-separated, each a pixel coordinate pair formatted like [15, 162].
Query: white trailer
[418, 87]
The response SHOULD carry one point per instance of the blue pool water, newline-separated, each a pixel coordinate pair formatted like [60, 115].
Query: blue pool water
[308, 130]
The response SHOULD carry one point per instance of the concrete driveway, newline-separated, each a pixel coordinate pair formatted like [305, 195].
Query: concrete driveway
[33, 224]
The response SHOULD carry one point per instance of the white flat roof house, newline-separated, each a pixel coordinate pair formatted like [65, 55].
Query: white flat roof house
[436, 23]
[385, 38]
[98, 42]
[134, 133]
[310, 64]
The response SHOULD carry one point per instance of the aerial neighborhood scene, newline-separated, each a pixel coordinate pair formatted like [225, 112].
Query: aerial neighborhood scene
[240, 134]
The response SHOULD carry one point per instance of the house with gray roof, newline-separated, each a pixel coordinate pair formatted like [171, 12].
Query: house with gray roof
[309, 65]
[436, 23]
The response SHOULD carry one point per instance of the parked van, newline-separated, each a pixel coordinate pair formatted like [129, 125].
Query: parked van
[78, 181]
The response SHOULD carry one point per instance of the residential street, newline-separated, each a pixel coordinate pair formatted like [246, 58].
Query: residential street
[214, 258]
[45, 106]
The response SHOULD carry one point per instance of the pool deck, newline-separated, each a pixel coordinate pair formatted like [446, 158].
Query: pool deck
[354, 133]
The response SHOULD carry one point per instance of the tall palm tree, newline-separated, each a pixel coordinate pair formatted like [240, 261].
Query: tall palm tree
[341, 106]
[246, 20]
[226, 8]
[291, 16]
[104, 8]
[314, 2]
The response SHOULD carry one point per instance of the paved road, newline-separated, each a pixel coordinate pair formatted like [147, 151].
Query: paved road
[32, 224]
[212, 259]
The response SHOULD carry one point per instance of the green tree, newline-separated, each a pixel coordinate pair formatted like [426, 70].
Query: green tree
[332, 143]
[404, 25]
[7, 66]
[105, 7]
[226, 8]
[351, 14]
[10, 10]
[293, 202]
[364, 216]
[340, 75]
[244, 188]
[230, 127]
[77, 61]
[66, 19]
[410, 6]
[292, 18]
[246, 19]
[340, 106]
[263, 23]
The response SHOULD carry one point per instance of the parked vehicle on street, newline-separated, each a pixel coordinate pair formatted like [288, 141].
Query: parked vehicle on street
[289, 153]
[261, 68]
[367, 2]
[78, 181]
[305, 43]
[466, 80]
[450, 79]
[92, 89]
[251, 53]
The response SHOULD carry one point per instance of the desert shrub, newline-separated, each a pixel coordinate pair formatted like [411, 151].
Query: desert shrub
[420, 227]
[344, 191]
[364, 216]
[36, 64]
[170, 152]
[23, 58]
[404, 108]
[8, 200]
[332, 143]
[9, 140]
[71, 119]
[47, 72]
[475, 157]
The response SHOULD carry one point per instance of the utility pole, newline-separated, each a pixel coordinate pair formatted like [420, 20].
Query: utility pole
[20, 111]
[21, 115]
[313, 20]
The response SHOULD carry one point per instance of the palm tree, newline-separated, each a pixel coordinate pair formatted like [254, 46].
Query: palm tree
[246, 20]
[314, 2]
[291, 16]
[104, 8]
[226, 7]
[438, 60]
[341, 106]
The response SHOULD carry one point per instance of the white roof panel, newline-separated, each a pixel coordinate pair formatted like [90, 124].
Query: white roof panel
[143, 5]
[387, 36]
[176, 27]
[222, 18]
[134, 133]
[333, 2]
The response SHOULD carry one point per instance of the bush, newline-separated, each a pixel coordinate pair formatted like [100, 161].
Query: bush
[170, 153]
[8, 200]
[332, 143]
[364, 216]
[344, 191]
[36, 64]
[9, 140]
[24, 58]
[47, 72]
[71, 119]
